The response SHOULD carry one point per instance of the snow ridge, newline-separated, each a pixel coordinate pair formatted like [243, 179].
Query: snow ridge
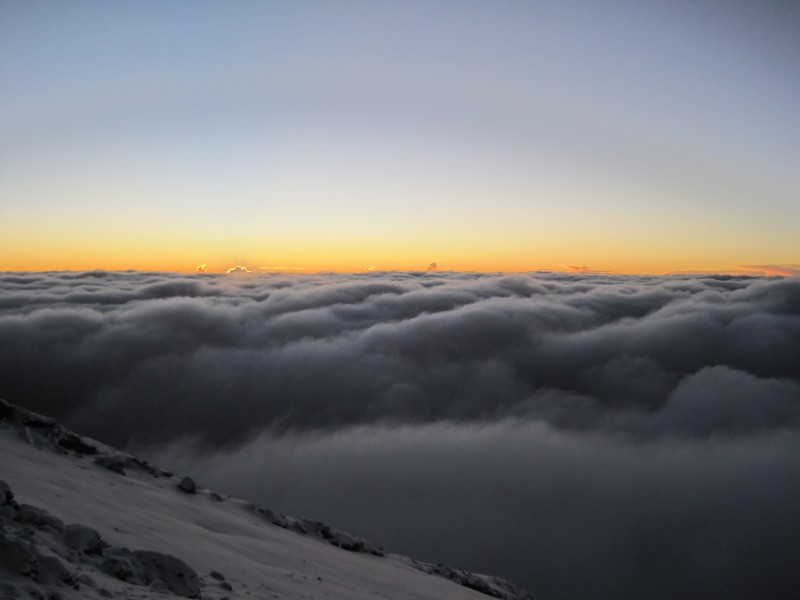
[39, 553]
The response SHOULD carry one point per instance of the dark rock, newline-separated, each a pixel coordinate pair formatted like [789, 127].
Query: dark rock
[52, 571]
[6, 495]
[143, 465]
[187, 485]
[84, 540]
[120, 567]
[179, 577]
[32, 419]
[17, 558]
[160, 572]
[70, 441]
[32, 515]
[6, 410]
[112, 462]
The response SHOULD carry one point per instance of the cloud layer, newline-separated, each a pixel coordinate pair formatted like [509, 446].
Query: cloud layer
[586, 435]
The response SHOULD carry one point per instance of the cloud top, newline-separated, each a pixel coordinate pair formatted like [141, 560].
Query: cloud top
[613, 353]
[589, 417]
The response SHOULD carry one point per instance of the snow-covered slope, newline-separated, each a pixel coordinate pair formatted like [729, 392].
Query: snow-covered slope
[81, 520]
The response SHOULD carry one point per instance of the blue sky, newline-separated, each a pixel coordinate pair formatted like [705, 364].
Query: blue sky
[492, 135]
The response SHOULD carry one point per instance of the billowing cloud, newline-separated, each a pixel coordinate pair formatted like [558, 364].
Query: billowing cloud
[586, 435]
[238, 269]
[202, 268]
[432, 266]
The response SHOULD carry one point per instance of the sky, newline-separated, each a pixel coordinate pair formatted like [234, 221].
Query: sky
[587, 436]
[637, 137]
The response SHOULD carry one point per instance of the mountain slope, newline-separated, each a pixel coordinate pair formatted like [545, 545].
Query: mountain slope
[81, 520]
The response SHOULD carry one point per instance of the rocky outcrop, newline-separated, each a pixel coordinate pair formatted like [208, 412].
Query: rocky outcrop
[38, 548]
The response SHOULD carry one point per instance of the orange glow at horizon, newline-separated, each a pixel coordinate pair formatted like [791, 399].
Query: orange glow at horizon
[494, 250]
[206, 261]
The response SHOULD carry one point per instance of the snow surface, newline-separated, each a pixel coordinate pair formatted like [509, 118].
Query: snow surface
[81, 520]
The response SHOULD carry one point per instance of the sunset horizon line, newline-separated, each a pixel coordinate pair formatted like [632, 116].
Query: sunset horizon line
[766, 270]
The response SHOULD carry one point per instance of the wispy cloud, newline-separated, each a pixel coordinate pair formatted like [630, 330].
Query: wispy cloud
[786, 269]
[717, 272]
[202, 268]
[582, 269]
[576, 269]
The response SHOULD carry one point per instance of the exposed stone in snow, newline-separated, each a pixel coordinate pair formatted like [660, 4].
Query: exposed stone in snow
[187, 485]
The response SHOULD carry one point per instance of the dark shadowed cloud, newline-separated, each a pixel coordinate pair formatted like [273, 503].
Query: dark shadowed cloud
[587, 435]
[567, 514]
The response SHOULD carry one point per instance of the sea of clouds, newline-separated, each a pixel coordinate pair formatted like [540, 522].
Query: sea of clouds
[585, 435]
